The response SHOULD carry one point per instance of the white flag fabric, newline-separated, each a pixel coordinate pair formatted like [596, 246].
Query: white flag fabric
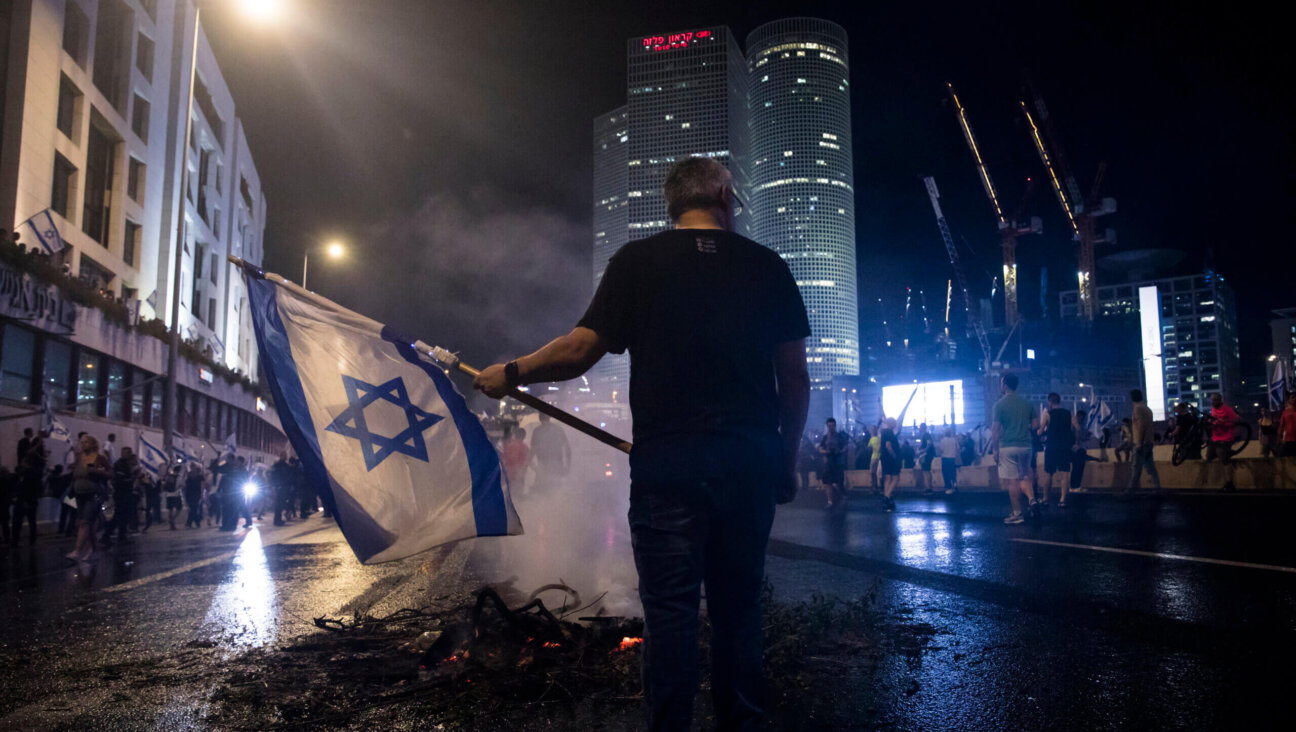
[380, 430]
[1278, 388]
[42, 225]
[151, 457]
[231, 443]
[52, 425]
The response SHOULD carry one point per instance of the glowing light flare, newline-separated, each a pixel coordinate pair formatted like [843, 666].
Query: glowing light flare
[627, 643]
[262, 11]
[335, 250]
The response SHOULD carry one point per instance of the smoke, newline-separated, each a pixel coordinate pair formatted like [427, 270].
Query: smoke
[576, 528]
[495, 281]
[480, 276]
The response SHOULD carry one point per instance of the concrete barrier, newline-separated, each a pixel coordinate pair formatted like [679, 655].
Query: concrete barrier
[1275, 474]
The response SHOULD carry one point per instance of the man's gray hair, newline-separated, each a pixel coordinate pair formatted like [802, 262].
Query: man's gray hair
[696, 183]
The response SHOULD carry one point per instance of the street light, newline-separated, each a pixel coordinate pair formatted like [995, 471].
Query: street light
[332, 250]
[262, 10]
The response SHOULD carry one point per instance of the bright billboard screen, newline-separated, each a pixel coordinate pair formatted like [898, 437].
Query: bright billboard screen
[932, 402]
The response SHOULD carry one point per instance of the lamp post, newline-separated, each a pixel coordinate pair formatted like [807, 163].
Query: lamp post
[333, 250]
[263, 10]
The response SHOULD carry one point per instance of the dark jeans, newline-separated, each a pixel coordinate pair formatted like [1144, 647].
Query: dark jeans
[948, 469]
[1143, 459]
[152, 509]
[194, 501]
[684, 535]
[125, 506]
[24, 507]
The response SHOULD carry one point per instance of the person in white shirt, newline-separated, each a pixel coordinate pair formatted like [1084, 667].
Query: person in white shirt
[949, 450]
[110, 448]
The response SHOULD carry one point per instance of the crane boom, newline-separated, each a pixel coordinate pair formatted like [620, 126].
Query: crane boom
[958, 267]
[976, 155]
[1052, 171]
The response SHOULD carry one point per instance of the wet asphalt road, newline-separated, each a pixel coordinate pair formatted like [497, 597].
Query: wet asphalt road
[1100, 616]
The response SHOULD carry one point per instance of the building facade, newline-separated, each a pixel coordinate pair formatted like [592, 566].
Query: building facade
[802, 194]
[1199, 336]
[611, 219]
[779, 119]
[95, 95]
[92, 144]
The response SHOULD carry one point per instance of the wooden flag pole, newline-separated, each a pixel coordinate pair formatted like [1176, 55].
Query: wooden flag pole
[452, 361]
[571, 420]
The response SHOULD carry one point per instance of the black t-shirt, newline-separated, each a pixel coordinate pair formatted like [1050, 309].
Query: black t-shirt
[1059, 433]
[701, 312]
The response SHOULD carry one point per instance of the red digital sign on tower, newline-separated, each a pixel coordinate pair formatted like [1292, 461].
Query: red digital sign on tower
[674, 40]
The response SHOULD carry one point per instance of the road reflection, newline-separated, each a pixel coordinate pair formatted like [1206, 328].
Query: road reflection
[242, 612]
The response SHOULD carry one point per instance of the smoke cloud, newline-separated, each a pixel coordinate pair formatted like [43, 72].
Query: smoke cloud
[477, 275]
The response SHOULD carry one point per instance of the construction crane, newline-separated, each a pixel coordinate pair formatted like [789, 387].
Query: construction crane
[950, 249]
[1080, 211]
[1009, 228]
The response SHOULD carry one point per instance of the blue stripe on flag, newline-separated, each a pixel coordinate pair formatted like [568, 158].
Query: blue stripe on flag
[365, 537]
[489, 510]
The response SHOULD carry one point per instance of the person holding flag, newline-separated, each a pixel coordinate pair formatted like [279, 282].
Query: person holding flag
[719, 391]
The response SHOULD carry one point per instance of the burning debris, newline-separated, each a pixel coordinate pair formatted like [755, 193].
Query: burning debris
[500, 664]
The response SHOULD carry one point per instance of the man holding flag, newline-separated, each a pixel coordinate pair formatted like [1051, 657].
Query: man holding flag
[719, 391]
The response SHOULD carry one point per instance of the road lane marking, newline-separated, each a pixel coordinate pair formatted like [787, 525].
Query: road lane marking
[201, 563]
[1159, 555]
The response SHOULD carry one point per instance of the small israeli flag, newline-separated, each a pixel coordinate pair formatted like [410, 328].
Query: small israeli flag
[152, 300]
[151, 457]
[42, 225]
[381, 431]
[52, 425]
[1278, 386]
[231, 444]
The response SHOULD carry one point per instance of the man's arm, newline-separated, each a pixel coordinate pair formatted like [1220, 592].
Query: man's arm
[565, 357]
[793, 397]
[1044, 423]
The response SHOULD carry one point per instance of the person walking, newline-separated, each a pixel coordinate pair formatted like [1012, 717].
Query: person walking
[192, 480]
[1012, 421]
[719, 391]
[832, 446]
[31, 485]
[1223, 419]
[125, 503]
[1059, 431]
[1287, 428]
[151, 489]
[1142, 440]
[280, 480]
[1268, 433]
[949, 453]
[551, 455]
[875, 458]
[90, 476]
[892, 462]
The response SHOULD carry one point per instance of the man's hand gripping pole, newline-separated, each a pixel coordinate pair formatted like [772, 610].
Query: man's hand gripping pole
[452, 361]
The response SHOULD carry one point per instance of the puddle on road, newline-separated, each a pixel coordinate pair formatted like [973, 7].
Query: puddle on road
[242, 612]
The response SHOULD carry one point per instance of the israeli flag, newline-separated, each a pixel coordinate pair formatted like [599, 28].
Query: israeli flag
[1278, 385]
[231, 444]
[152, 300]
[151, 457]
[52, 425]
[178, 445]
[380, 430]
[42, 225]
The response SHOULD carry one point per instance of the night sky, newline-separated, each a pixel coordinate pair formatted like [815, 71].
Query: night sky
[450, 144]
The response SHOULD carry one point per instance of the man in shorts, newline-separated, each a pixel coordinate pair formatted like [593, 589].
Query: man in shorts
[1059, 433]
[1223, 419]
[832, 446]
[1012, 422]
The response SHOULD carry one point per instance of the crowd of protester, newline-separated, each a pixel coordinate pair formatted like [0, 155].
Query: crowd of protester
[107, 495]
[1064, 437]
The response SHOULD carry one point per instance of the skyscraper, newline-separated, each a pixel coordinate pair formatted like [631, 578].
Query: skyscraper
[686, 96]
[611, 209]
[802, 196]
[787, 143]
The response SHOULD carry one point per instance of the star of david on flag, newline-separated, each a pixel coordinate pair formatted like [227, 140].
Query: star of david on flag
[42, 225]
[376, 448]
[381, 431]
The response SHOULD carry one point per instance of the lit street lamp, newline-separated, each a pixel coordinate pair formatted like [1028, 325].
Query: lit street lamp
[262, 11]
[333, 250]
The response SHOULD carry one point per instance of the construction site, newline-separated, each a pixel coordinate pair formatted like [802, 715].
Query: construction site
[1129, 318]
